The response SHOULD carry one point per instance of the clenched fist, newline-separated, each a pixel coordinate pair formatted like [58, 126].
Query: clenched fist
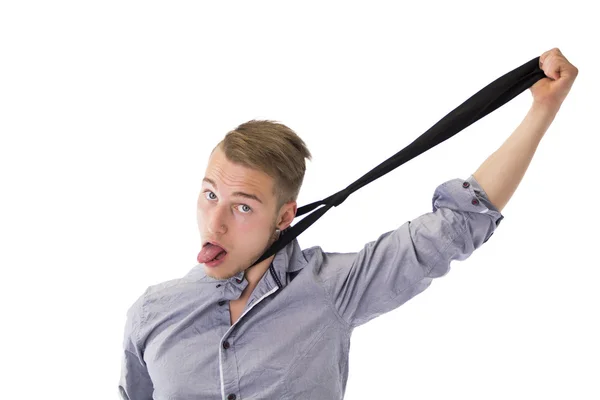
[552, 91]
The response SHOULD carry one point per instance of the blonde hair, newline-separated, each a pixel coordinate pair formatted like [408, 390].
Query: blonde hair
[272, 148]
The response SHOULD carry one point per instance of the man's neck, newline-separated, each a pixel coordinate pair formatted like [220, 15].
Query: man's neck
[254, 274]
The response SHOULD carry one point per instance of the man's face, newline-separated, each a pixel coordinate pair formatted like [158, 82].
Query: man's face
[229, 214]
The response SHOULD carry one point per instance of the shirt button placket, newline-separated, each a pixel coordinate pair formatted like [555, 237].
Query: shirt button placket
[226, 346]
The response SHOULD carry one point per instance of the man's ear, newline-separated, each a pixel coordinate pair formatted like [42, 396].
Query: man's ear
[287, 214]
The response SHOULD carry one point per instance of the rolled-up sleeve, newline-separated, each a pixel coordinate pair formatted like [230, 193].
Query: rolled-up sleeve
[466, 217]
[134, 382]
[402, 263]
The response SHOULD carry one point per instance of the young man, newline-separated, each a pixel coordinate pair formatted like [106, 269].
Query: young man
[281, 328]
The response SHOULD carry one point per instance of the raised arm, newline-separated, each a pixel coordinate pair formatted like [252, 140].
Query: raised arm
[501, 172]
[402, 263]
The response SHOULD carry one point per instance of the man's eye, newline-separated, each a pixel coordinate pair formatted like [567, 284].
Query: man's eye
[209, 193]
[245, 208]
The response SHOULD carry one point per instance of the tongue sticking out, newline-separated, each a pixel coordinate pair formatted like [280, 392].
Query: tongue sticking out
[209, 252]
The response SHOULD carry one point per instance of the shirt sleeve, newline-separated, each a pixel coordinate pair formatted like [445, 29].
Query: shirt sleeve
[134, 383]
[401, 263]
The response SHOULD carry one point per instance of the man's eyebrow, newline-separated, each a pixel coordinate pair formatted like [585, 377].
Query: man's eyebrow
[238, 194]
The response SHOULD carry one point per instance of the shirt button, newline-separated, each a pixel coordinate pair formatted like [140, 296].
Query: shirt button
[226, 345]
[222, 302]
[238, 281]
[219, 285]
[475, 202]
[466, 184]
[231, 397]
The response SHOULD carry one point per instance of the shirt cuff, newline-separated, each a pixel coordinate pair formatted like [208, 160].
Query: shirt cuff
[466, 195]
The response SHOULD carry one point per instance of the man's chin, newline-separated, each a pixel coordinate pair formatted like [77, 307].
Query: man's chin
[217, 274]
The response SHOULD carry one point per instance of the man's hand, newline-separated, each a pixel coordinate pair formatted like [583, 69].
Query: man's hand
[551, 92]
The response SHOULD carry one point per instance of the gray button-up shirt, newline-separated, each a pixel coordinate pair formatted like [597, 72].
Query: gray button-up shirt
[293, 337]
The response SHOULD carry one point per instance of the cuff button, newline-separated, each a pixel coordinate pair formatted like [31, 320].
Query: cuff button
[466, 184]
[475, 202]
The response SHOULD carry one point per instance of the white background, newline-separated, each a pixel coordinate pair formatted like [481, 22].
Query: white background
[108, 111]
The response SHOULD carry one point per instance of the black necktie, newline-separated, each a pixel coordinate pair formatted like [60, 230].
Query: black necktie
[488, 99]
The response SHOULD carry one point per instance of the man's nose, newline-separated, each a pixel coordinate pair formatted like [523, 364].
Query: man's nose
[217, 220]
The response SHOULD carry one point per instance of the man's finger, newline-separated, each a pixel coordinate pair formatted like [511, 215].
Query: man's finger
[546, 54]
